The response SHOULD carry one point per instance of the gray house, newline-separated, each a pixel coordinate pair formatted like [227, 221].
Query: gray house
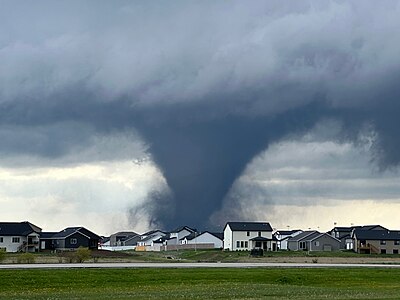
[70, 238]
[124, 238]
[313, 241]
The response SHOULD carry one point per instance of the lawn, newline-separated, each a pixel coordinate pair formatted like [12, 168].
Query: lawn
[172, 283]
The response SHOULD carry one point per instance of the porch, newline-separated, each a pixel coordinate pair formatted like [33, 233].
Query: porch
[263, 243]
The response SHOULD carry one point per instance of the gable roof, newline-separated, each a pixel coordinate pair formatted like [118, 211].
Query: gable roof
[287, 232]
[377, 235]
[152, 232]
[194, 235]
[72, 230]
[372, 227]
[154, 236]
[249, 226]
[303, 235]
[124, 234]
[47, 235]
[179, 229]
[314, 237]
[18, 228]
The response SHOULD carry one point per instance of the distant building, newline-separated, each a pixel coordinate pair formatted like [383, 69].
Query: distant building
[282, 237]
[19, 236]
[313, 241]
[249, 235]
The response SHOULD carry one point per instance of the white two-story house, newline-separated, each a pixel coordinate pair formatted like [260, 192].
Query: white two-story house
[239, 236]
[19, 237]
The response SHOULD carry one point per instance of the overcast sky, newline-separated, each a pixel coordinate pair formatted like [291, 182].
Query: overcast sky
[127, 115]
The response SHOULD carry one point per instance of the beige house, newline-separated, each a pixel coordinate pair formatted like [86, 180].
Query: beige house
[376, 241]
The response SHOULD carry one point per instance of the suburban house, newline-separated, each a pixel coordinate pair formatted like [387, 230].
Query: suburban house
[313, 241]
[147, 239]
[124, 238]
[179, 233]
[249, 235]
[282, 237]
[68, 239]
[344, 235]
[19, 237]
[204, 240]
[376, 241]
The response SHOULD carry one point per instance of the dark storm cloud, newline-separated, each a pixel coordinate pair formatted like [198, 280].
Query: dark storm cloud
[208, 85]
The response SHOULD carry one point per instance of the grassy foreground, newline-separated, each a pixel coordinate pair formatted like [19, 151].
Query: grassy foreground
[205, 283]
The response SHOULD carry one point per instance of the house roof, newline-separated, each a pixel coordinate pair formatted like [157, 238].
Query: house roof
[377, 235]
[152, 232]
[371, 227]
[317, 236]
[133, 238]
[287, 232]
[124, 234]
[194, 235]
[47, 235]
[249, 226]
[153, 236]
[304, 235]
[72, 230]
[18, 228]
[179, 229]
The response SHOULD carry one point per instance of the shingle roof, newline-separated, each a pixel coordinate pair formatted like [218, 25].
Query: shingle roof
[47, 235]
[193, 235]
[288, 232]
[71, 230]
[377, 235]
[304, 235]
[183, 228]
[249, 226]
[18, 228]
[371, 227]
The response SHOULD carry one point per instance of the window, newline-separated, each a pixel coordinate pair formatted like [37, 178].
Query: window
[15, 239]
[395, 251]
[397, 242]
[383, 242]
[1, 240]
[73, 241]
[237, 244]
[302, 245]
[259, 233]
[317, 243]
[383, 251]
[248, 233]
[241, 244]
[246, 244]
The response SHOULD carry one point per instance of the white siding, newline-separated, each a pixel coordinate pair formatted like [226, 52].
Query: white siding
[231, 238]
[9, 245]
[206, 238]
[228, 238]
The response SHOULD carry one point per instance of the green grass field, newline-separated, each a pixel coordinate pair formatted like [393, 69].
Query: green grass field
[172, 283]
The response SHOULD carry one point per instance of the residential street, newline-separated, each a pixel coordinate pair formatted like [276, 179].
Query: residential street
[193, 265]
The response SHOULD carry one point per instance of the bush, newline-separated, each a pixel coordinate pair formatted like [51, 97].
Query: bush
[26, 258]
[82, 254]
[2, 254]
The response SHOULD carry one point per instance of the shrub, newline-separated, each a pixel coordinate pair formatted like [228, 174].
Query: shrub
[26, 258]
[82, 254]
[2, 254]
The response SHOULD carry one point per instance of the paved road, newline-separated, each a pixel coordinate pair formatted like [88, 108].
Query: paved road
[191, 265]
